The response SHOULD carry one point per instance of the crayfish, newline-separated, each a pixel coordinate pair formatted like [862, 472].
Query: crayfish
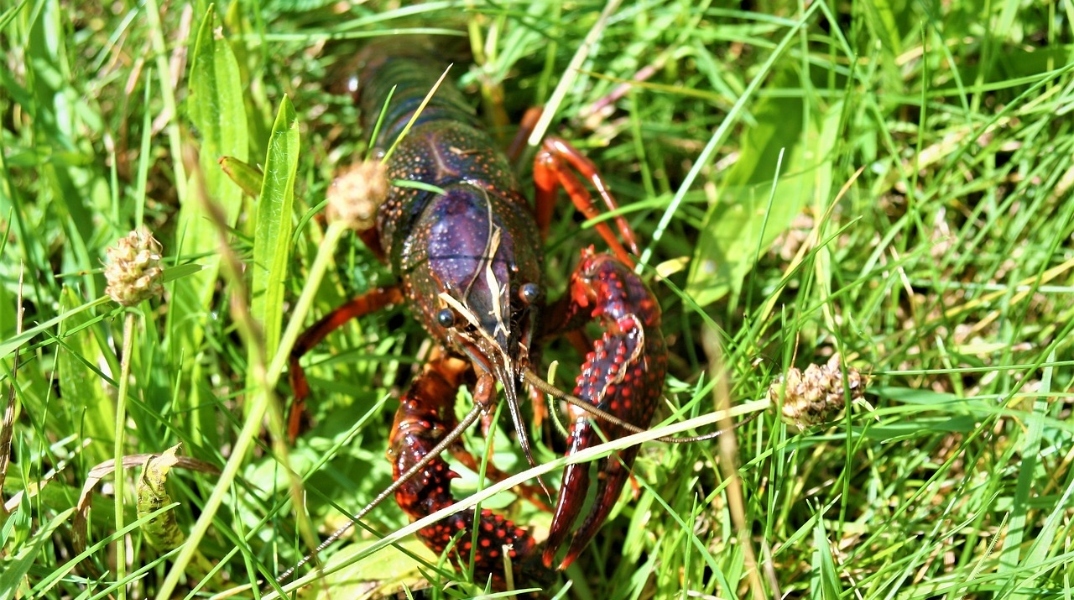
[469, 261]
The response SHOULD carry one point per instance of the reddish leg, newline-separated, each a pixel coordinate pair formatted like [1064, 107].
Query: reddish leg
[623, 374]
[425, 417]
[485, 396]
[552, 170]
[525, 128]
[368, 302]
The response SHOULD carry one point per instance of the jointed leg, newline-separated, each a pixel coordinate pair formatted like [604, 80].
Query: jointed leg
[554, 167]
[368, 302]
[426, 419]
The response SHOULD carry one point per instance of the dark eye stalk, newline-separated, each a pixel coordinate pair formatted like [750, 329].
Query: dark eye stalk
[530, 292]
[446, 318]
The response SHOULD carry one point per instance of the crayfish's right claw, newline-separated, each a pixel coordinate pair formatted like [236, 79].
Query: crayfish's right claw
[425, 418]
[623, 375]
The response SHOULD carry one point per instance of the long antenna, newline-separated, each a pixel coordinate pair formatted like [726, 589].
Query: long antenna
[470, 418]
[547, 388]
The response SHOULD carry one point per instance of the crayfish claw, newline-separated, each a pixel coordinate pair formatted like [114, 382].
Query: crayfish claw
[623, 375]
[571, 498]
[424, 419]
[612, 479]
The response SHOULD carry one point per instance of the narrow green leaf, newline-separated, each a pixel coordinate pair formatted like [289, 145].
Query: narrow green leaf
[749, 214]
[274, 223]
[19, 564]
[180, 271]
[1011, 560]
[418, 185]
[11, 344]
[10, 13]
[880, 18]
[1043, 547]
[823, 149]
[824, 575]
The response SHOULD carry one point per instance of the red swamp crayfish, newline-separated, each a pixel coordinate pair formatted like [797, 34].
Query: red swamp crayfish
[469, 262]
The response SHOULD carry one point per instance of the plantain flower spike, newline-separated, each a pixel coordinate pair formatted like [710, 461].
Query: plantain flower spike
[357, 193]
[133, 271]
[816, 396]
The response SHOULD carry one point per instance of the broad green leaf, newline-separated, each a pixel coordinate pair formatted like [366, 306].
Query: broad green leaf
[749, 215]
[217, 111]
[386, 573]
[272, 230]
[82, 388]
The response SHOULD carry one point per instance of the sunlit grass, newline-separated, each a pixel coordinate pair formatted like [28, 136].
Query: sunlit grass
[888, 182]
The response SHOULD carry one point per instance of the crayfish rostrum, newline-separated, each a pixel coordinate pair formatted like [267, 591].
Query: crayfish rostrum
[469, 261]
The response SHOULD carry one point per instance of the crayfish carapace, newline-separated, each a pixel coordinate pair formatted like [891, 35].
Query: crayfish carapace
[469, 260]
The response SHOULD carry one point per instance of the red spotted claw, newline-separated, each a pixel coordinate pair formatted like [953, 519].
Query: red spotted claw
[425, 417]
[622, 375]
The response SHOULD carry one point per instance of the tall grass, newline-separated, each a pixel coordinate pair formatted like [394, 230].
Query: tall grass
[889, 181]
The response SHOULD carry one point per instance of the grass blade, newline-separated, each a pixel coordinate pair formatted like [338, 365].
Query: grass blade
[79, 382]
[750, 213]
[272, 230]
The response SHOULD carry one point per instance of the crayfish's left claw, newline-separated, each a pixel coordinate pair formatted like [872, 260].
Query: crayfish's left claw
[623, 375]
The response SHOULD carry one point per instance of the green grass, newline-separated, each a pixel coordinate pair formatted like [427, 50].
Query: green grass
[886, 180]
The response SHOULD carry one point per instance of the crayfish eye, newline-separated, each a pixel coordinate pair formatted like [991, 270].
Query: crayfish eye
[530, 292]
[446, 318]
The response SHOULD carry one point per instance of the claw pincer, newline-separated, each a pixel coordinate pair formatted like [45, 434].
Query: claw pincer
[622, 375]
[422, 421]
